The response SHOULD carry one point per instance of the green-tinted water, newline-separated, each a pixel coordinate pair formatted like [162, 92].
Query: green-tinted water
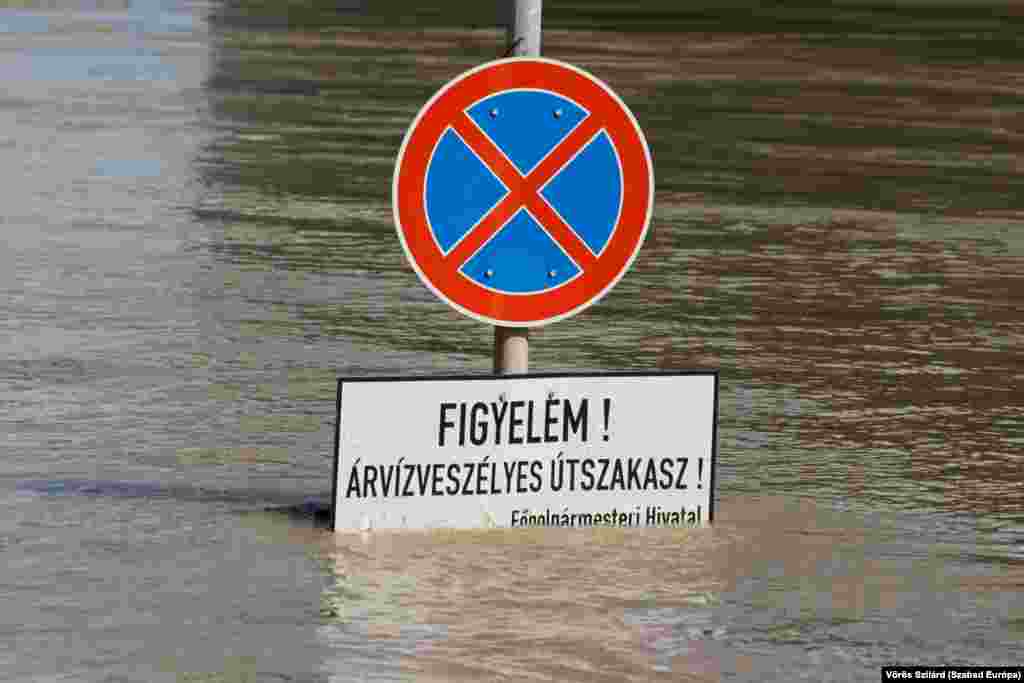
[199, 240]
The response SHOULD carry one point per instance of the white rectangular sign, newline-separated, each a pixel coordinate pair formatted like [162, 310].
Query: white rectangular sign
[621, 450]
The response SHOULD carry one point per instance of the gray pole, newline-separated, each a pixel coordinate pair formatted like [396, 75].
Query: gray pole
[512, 344]
[524, 28]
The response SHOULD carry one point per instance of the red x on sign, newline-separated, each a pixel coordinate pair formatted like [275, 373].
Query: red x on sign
[522, 191]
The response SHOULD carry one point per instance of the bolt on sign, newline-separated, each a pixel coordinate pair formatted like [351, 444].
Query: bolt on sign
[523, 191]
[580, 450]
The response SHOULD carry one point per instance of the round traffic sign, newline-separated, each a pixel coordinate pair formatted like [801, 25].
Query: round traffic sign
[522, 191]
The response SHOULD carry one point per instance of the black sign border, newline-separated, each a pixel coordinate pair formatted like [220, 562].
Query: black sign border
[529, 375]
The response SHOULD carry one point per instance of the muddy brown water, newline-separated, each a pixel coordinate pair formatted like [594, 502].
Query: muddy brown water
[197, 240]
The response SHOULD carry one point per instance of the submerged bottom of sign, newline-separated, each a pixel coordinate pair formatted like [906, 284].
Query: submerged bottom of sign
[645, 516]
[650, 515]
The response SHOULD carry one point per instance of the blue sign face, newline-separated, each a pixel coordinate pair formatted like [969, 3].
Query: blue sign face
[523, 256]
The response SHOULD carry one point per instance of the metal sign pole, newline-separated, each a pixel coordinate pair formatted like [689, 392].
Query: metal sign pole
[512, 344]
[524, 28]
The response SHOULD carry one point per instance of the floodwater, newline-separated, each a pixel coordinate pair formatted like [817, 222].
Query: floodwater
[197, 240]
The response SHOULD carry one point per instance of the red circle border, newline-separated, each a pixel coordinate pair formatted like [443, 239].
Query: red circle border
[409, 187]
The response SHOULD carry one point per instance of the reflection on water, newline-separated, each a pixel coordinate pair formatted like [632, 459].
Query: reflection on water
[777, 590]
[199, 239]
